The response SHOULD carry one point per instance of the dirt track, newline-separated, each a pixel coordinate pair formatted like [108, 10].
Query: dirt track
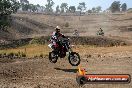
[40, 73]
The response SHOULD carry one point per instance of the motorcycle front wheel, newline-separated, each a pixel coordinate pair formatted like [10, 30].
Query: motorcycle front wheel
[74, 59]
[53, 57]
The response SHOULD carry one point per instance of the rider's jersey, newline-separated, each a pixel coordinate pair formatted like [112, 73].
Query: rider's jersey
[55, 36]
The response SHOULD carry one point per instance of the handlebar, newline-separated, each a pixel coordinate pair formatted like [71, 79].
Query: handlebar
[63, 40]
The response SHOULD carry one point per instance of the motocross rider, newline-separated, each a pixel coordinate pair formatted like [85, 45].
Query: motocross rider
[55, 38]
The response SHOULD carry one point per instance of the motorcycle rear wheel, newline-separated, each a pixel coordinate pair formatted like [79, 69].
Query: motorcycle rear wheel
[53, 57]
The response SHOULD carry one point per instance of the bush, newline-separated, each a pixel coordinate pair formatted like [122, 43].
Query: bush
[20, 54]
[10, 55]
[34, 41]
[4, 54]
[66, 24]
[23, 55]
[41, 55]
[37, 41]
[16, 54]
[0, 55]
[35, 56]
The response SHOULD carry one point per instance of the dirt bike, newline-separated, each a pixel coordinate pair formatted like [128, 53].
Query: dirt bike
[100, 33]
[73, 57]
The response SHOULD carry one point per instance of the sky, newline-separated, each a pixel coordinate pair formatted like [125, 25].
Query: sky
[89, 3]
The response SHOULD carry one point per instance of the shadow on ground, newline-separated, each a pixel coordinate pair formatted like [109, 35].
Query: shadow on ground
[67, 70]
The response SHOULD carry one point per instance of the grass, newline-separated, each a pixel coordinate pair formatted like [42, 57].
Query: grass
[32, 50]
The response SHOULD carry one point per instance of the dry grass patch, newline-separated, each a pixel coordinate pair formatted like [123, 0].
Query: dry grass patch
[32, 50]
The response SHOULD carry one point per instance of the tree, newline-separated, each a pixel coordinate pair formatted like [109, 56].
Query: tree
[42, 8]
[72, 9]
[57, 9]
[6, 8]
[82, 6]
[115, 6]
[98, 9]
[93, 9]
[34, 8]
[64, 7]
[24, 1]
[30, 7]
[89, 11]
[38, 7]
[130, 10]
[124, 7]
[49, 6]
[24, 5]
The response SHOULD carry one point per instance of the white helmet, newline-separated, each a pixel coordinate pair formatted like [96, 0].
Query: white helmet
[57, 27]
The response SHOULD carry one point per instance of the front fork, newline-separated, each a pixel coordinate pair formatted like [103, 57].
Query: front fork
[70, 52]
[69, 49]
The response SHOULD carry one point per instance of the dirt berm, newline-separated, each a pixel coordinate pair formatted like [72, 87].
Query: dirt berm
[96, 41]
